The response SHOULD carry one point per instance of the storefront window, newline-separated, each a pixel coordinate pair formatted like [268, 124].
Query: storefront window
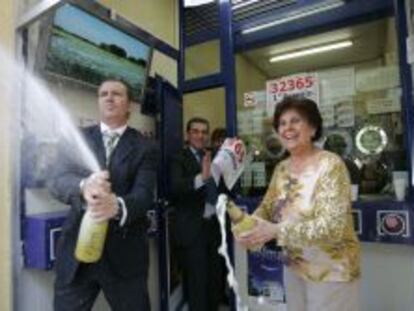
[360, 101]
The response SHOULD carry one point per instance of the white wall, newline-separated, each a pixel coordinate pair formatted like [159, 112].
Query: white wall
[387, 277]
[7, 43]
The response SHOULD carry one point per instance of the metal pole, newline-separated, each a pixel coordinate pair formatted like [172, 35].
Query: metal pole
[181, 37]
[227, 61]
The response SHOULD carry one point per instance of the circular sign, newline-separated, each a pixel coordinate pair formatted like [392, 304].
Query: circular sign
[393, 224]
[371, 140]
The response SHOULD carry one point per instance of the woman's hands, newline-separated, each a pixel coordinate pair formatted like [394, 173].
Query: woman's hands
[263, 232]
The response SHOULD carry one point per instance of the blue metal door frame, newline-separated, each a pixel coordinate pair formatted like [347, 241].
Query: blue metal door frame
[226, 77]
[406, 87]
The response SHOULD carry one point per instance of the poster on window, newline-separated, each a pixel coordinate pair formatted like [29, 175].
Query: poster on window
[380, 78]
[265, 276]
[338, 111]
[338, 82]
[302, 84]
[255, 99]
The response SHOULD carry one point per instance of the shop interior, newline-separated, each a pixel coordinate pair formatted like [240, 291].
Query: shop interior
[352, 81]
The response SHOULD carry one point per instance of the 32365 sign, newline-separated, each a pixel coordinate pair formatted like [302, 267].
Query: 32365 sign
[292, 84]
[304, 84]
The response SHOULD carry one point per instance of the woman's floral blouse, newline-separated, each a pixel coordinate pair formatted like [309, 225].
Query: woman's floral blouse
[315, 224]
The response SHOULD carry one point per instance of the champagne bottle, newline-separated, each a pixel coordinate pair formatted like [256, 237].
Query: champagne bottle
[91, 239]
[242, 222]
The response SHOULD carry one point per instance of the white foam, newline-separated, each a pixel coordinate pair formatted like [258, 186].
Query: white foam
[223, 250]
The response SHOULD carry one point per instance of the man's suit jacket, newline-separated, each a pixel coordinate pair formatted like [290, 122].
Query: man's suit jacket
[132, 170]
[187, 202]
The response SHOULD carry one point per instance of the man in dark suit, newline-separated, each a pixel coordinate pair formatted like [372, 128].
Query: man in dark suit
[196, 230]
[120, 195]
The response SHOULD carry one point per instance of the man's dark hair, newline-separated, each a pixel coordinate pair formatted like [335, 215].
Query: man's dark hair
[123, 82]
[197, 120]
[306, 107]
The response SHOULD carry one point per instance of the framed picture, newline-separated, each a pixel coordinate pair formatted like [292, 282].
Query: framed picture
[84, 47]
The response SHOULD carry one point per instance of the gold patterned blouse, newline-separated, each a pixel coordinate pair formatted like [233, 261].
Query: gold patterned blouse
[315, 226]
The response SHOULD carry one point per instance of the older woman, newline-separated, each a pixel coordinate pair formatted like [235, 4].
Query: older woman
[307, 209]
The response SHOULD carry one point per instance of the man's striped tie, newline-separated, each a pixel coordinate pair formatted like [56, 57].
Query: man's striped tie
[111, 139]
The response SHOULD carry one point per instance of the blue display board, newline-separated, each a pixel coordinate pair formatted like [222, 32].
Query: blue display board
[385, 221]
[264, 267]
[265, 274]
[42, 231]
[41, 234]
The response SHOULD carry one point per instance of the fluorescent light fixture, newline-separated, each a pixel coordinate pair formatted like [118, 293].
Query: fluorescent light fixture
[310, 51]
[242, 3]
[191, 3]
[303, 13]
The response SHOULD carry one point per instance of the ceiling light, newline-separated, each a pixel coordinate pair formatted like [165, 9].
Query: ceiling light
[241, 4]
[310, 51]
[191, 3]
[307, 11]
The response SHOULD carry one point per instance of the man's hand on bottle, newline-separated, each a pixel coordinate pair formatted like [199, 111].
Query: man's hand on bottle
[101, 202]
[103, 207]
[95, 185]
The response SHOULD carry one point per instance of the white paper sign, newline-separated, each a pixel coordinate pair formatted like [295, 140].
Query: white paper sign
[337, 112]
[328, 115]
[377, 78]
[255, 99]
[229, 162]
[250, 121]
[244, 126]
[247, 178]
[259, 174]
[337, 83]
[302, 84]
[383, 105]
[345, 114]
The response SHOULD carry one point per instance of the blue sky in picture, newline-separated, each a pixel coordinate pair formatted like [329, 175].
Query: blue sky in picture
[84, 25]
